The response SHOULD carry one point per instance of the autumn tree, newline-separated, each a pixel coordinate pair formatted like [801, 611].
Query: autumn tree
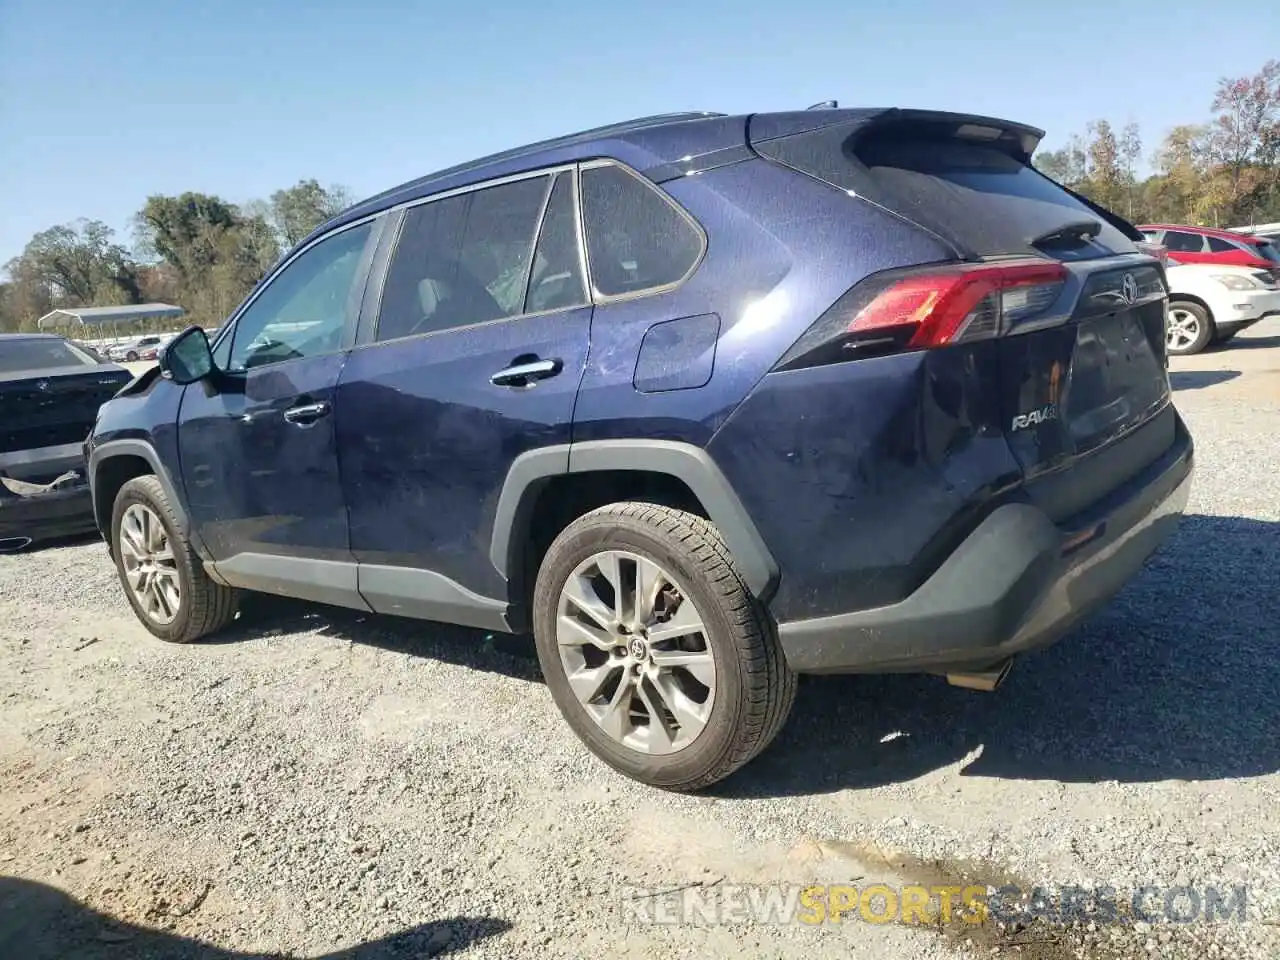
[297, 210]
[216, 251]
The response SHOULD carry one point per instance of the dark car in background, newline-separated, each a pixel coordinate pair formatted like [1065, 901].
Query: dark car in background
[703, 401]
[50, 392]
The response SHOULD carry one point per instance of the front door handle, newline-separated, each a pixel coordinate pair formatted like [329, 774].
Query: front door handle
[307, 413]
[523, 374]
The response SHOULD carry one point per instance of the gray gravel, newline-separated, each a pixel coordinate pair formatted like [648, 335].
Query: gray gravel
[318, 783]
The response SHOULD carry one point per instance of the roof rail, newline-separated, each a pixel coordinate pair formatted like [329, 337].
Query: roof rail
[625, 126]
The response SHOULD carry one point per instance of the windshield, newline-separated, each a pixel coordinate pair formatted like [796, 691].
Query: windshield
[38, 353]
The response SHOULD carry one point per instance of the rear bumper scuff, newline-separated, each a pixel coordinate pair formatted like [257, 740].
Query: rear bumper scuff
[1018, 582]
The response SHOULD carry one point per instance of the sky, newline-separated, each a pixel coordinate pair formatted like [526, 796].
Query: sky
[105, 102]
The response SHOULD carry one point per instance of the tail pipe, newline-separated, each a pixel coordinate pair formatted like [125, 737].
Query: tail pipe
[985, 680]
[14, 544]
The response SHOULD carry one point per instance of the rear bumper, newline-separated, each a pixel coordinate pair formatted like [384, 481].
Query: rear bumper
[1018, 582]
[59, 513]
[66, 511]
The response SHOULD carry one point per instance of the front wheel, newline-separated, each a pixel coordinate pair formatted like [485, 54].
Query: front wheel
[654, 650]
[162, 576]
[1189, 329]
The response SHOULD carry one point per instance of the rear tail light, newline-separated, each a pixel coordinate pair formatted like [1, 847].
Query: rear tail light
[929, 308]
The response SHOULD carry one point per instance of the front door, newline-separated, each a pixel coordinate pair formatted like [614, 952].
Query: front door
[479, 348]
[257, 440]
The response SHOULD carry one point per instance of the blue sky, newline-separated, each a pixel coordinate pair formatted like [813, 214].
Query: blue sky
[103, 102]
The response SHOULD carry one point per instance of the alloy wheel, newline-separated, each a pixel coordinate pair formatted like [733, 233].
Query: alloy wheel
[634, 650]
[1183, 329]
[149, 565]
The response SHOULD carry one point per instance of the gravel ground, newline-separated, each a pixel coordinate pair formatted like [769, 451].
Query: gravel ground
[318, 783]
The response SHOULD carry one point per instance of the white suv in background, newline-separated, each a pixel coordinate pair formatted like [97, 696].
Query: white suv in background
[1211, 303]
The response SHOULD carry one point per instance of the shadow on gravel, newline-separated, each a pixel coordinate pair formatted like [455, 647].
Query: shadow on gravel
[1251, 343]
[1175, 679]
[263, 617]
[38, 922]
[1197, 379]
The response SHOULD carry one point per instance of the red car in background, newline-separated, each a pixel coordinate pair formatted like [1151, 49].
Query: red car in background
[1206, 245]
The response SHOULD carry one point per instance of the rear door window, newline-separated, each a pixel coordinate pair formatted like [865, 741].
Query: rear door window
[638, 240]
[463, 260]
[556, 279]
[1178, 241]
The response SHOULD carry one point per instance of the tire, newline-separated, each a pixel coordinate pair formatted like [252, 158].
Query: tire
[752, 688]
[131, 356]
[203, 606]
[1189, 330]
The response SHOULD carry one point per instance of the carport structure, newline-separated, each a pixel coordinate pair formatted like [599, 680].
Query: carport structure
[70, 317]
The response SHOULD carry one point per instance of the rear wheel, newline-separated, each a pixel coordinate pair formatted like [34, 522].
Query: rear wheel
[1189, 328]
[132, 356]
[654, 650]
[162, 577]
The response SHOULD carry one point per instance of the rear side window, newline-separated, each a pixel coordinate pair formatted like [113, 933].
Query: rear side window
[638, 240]
[1178, 241]
[1218, 245]
[463, 260]
[38, 353]
[1268, 251]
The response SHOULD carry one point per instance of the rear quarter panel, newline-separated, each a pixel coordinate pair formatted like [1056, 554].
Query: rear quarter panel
[781, 248]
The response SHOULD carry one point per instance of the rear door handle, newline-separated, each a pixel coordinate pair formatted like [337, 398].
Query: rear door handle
[307, 413]
[523, 374]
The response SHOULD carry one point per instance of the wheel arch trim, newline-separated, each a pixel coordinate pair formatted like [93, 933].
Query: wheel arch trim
[134, 448]
[690, 464]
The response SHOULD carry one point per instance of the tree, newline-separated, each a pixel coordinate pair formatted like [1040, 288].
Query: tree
[78, 264]
[297, 210]
[1243, 139]
[1130, 148]
[213, 251]
[1066, 165]
[184, 231]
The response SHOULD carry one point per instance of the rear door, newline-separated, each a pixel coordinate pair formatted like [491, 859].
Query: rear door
[1231, 251]
[257, 442]
[1186, 247]
[474, 358]
[1083, 376]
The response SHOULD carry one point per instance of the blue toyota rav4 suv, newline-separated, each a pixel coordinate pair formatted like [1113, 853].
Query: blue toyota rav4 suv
[702, 401]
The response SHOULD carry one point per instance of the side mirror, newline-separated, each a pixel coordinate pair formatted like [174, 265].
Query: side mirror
[187, 357]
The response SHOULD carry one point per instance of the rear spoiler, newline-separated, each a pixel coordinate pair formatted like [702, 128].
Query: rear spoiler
[1017, 139]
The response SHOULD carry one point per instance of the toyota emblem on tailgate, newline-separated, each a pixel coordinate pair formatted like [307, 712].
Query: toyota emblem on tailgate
[1129, 288]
